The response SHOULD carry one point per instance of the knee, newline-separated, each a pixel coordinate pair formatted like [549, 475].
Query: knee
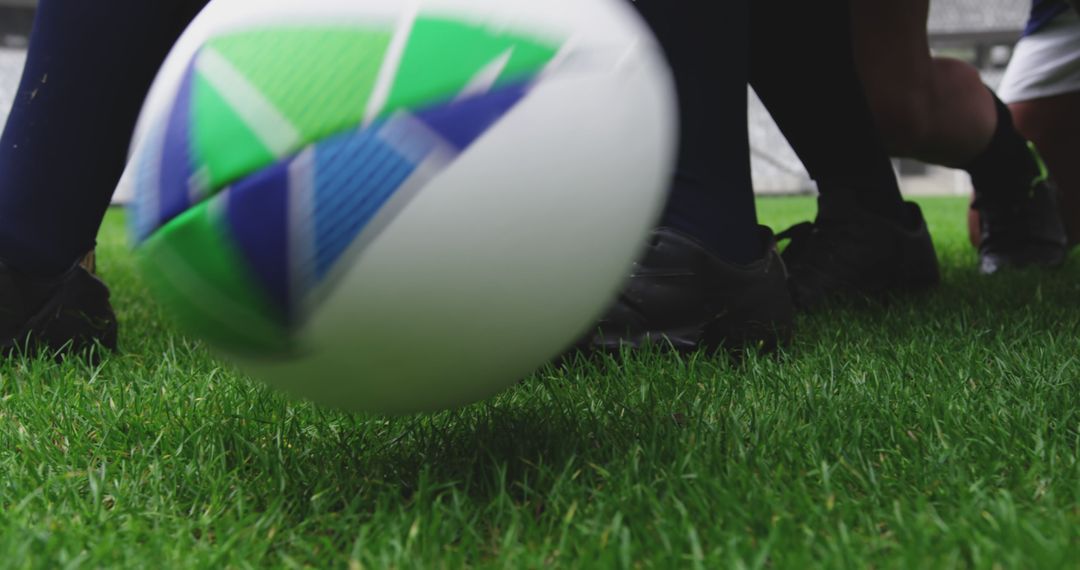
[928, 103]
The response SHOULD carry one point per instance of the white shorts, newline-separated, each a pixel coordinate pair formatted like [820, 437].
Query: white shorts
[1046, 63]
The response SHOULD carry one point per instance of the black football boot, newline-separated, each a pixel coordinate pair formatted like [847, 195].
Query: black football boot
[1021, 229]
[69, 313]
[850, 252]
[681, 296]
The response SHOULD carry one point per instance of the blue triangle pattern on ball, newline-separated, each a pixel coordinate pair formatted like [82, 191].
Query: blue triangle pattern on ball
[464, 121]
[177, 162]
[294, 221]
[354, 176]
[143, 213]
[257, 214]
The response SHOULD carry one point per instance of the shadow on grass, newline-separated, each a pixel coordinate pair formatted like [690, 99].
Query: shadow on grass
[552, 431]
[549, 432]
[538, 440]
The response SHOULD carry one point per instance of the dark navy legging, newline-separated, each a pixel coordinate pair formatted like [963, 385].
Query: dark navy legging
[798, 57]
[65, 144]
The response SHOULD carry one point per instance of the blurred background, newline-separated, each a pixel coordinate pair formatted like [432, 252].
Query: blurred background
[982, 32]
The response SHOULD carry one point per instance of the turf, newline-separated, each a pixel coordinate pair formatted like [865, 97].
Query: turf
[941, 431]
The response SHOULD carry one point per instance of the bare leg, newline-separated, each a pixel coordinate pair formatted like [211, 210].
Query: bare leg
[938, 111]
[932, 109]
[1053, 124]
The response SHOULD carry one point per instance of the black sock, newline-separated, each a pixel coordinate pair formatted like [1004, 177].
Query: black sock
[66, 141]
[803, 68]
[712, 196]
[1007, 167]
[724, 222]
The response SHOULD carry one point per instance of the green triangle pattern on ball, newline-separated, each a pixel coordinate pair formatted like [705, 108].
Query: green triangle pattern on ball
[289, 86]
[197, 272]
[254, 99]
[224, 146]
[319, 79]
[263, 95]
[444, 56]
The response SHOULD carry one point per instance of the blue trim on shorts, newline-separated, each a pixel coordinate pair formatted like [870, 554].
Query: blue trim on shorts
[1043, 12]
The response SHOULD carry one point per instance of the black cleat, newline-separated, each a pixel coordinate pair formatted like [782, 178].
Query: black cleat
[681, 296]
[66, 314]
[850, 252]
[1023, 230]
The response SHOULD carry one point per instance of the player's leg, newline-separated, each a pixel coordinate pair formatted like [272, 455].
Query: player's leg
[938, 110]
[710, 276]
[62, 151]
[1053, 124]
[866, 239]
[712, 196]
[1042, 88]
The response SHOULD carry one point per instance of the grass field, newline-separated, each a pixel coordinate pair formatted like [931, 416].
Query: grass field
[936, 432]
